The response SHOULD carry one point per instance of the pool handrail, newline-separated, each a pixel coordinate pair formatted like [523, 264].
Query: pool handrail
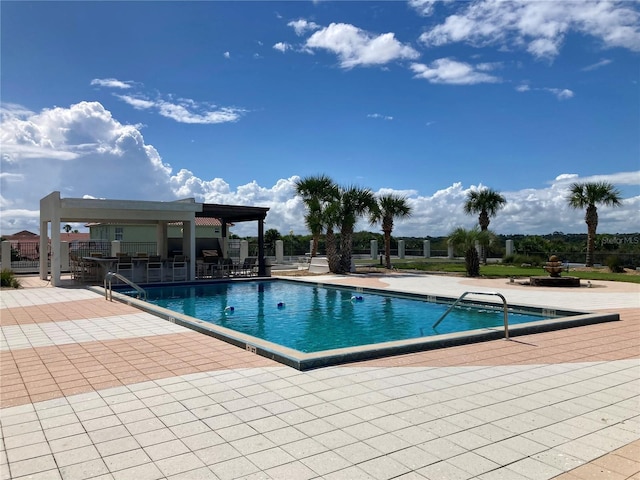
[108, 293]
[504, 304]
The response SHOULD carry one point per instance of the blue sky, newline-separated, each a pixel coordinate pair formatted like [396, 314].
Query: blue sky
[231, 102]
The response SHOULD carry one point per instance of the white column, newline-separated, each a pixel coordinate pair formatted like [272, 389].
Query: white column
[55, 250]
[64, 256]
[401, 248]
[450, 250]
[244, 250]
[189, 246]
[509, 247]
[374, 249]
[161, 238]
[426, 246]
[44, 248]
[6, 255]
[279, 251]
[116, 248]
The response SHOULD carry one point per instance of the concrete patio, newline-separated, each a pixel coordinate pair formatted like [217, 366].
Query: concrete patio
[101, 390]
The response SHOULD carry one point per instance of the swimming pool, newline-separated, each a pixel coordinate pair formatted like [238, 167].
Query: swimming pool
[304, 324]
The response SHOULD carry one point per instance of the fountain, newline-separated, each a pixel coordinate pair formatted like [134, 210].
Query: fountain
[554, 268]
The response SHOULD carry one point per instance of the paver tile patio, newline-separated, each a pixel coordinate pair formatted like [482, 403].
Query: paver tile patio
[137, 405]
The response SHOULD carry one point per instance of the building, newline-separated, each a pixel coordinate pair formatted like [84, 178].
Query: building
[157, 216]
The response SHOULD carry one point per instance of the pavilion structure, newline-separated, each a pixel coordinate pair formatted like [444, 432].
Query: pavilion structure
[55, 210]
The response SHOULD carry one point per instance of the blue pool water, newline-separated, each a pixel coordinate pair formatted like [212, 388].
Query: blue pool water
[311, 318]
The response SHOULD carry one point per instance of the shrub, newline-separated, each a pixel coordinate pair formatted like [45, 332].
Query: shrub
[8, 279]
[518, 259]
[615, 264]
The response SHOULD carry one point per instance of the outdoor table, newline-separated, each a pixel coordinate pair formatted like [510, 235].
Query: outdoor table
[140, 268]
[103, 265]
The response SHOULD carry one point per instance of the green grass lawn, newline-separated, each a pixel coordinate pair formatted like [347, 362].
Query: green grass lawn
[499, 270]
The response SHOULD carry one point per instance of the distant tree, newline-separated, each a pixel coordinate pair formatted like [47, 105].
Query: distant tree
[67, 228]
[486, 202]
[354, 202]
[387, 208]
[533, 245]
[270, 237]
[587, 195]
[466, 240]
[316, 192]
[342, 213]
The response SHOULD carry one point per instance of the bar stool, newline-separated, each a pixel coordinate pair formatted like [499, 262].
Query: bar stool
[124, 267]
[179, 267]
[154, 269]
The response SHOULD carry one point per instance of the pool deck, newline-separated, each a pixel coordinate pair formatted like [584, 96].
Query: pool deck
[86, 395]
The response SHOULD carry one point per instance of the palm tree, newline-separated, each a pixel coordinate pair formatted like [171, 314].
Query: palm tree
[389, 207]
[466, 240]
[270, 237]
[342, 213]
[486, 202]
[331, 220]
[354, 202]
[316, 192]
[587, 195]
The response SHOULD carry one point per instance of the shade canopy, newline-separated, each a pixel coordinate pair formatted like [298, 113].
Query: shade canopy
[54, 210]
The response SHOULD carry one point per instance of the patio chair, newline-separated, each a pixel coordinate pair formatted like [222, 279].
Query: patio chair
[247, 267]
[124, 267]
[82, 271]
[154, 269]
[179, 268]
[210, 264]
[228, 267]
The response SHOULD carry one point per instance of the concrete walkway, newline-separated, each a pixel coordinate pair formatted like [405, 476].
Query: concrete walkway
[94, 389]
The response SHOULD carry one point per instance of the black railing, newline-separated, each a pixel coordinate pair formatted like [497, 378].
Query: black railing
[133, 248]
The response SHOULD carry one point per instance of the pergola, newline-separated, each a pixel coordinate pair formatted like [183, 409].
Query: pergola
[57, 210]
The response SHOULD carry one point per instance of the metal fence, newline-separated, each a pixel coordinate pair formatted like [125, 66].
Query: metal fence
[90, 248]
[599, 257]
[25, 255]
[133, 248]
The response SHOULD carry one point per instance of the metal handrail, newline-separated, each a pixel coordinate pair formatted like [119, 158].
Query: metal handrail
[504, 303]
[108, 293]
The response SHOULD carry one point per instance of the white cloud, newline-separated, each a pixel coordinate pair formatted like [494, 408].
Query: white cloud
[567, 177]
[282, 47]
[183, 110]
[621, 178]
[77, 150]
[111, 160]
[355, 47]
[425, 7]
[302, 26]
[602, 63]
[111, 83]
[539, 27]
[226, 54]
[379, 116]
[446, 70]
[559, 93]
[135, 102]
